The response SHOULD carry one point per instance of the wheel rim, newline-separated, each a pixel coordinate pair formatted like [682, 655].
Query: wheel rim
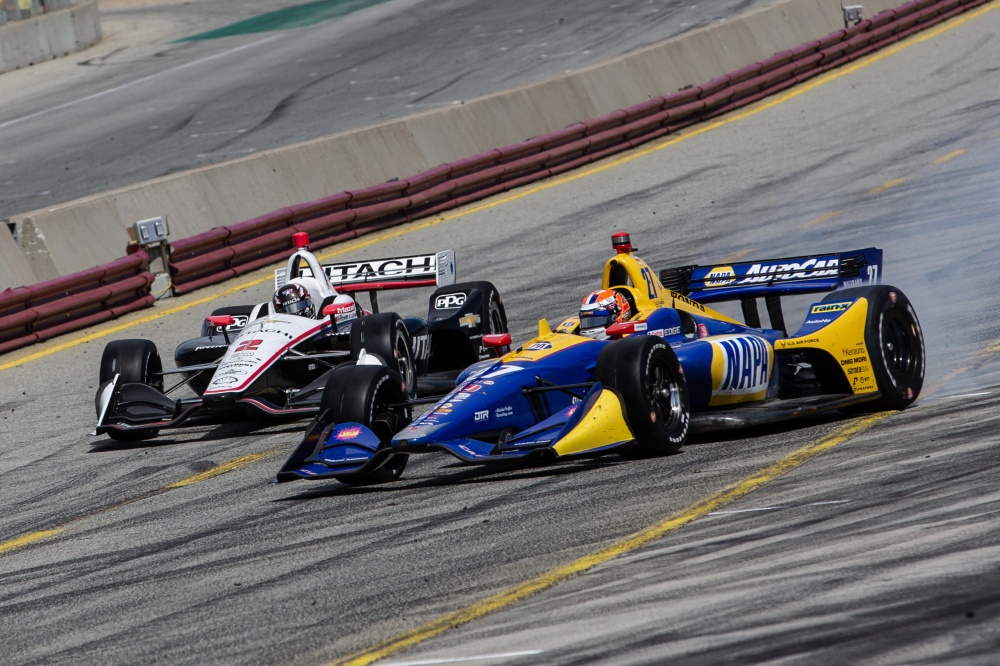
[402, 354]
[665, 398]
[898, 346]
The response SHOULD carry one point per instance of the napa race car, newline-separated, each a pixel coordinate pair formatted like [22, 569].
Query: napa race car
[274, 359]
[676, 365]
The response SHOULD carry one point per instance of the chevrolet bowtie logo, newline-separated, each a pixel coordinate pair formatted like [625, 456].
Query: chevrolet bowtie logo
[469, 320]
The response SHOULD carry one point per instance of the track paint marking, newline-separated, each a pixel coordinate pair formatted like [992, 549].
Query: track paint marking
[220, 469]
[965, 395]
[617, 549]
[495, 202]
[820, 219]
[950, 156]
[27, 539]
[125, 86]
[888, 185]
[462, 660]
[774, 508]
[31, 538]
[726, 513]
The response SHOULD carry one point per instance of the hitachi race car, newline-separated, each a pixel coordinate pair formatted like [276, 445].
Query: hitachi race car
[640, 367]
[274, 359]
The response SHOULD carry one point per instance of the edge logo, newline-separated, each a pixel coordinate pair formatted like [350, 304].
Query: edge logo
[824, 308]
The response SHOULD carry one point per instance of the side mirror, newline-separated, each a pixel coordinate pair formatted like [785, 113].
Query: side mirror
[623, 328]
[223, 322]
[496, 340]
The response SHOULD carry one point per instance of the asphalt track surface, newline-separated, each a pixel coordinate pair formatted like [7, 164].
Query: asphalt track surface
[877, 544]
[141, 105]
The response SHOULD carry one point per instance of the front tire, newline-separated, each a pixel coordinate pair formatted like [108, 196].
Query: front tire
[895, 345]
[138, 362]
[363, 394]
[384, 335]
[646, 373]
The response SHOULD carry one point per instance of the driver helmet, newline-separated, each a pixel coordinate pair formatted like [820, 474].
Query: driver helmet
[294, 299]
[601, 309]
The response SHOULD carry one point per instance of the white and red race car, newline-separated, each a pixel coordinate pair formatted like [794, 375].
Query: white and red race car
[273, 359]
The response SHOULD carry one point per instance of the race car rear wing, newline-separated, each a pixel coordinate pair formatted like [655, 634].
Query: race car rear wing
[772, 278]
[372, 275]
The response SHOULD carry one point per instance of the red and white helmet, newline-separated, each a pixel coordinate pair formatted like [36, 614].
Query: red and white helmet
[601, 309]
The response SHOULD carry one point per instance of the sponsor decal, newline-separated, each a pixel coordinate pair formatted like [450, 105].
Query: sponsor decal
[859, 369]
[225, 380]
[799, 341]
[421, 347]
[852, 352]
[539, 346]
[720, 276]
[204, 347]
[345, 312]
[362, 271]
[487, 382]
[441, 410]
[472, 388]
[572, 409]
[746, 364]
[702, 331]
[348, 433]
[277, 331]
[639, 326]
[449, 301]
[482, 415]
[664, 332]
[239, 321]
[853, 360]
[825, 308]
[502, 412]
[684, 299]
[816, 322]
[470, 320]
[249, 346]
[810, 268]
[458, 397]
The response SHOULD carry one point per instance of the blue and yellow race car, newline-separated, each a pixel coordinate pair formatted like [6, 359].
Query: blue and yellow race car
[646, 362]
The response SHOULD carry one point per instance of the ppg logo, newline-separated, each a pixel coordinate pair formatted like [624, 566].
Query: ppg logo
[449, 301]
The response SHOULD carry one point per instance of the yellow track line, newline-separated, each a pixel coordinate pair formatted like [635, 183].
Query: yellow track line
[888, 185]
[32, 537]
[220, 469]
[525, 192]
[27, 539]
[617, 549]
[950, 156]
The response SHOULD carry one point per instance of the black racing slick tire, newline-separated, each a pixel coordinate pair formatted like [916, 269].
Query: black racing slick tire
[384, 335]
[138, 362]
[895, 345]
[369, 395]
[647, 375]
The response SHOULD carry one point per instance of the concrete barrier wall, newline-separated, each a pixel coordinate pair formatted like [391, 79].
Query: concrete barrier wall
[29, 42]
[73, 236]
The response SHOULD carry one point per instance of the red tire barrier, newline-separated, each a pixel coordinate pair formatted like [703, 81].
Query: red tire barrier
[69, 303]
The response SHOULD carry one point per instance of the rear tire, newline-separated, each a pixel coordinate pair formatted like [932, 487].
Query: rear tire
[138, 362]
[895, 346]
[384, 335]
[361, 394]
[646, 373]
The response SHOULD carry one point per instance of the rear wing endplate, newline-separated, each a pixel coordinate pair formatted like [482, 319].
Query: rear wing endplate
[776, 277]
[421, 270]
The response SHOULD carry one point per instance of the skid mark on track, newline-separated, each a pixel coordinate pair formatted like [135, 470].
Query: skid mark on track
[34, 537]
[622, 547]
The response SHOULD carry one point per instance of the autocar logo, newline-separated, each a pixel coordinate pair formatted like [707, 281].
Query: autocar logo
[720, 276]
[449, 301]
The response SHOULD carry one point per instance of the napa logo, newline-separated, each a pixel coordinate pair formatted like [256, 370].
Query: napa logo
[745, 367]
[827, 308]
[720, 276]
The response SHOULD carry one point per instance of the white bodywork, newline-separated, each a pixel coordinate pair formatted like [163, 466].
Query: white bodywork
[258, 347]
